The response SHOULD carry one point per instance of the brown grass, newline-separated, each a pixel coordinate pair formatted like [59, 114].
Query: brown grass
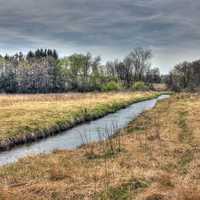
[153, 164]
[159, 86]
[22, 115]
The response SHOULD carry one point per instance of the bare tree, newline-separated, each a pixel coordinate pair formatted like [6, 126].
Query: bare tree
[140, 60]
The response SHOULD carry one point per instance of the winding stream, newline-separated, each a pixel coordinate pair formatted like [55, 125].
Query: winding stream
[73, 138]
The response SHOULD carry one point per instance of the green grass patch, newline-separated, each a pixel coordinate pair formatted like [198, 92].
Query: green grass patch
[184, 161]
[125, 191]
[186, 134]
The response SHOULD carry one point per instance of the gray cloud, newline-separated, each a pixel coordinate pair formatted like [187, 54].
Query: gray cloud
[110, 28]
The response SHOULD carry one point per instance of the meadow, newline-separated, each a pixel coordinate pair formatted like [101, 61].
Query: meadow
[25, 118]
[155, 158]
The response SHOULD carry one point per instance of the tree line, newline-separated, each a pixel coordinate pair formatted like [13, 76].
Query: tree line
[42, 71]
[185, 77]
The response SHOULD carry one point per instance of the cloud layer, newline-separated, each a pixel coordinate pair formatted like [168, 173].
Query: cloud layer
[110, 28]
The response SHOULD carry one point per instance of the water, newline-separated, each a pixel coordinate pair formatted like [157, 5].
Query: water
[73, 138]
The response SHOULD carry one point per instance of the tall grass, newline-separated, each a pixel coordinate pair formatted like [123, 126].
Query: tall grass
[25, 118]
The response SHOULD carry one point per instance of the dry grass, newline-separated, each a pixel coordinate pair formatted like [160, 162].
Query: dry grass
[154, 163]
[25, 114]
[160, 87]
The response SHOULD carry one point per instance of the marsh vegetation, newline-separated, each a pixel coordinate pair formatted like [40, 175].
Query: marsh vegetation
[26, 118]
[155, 157]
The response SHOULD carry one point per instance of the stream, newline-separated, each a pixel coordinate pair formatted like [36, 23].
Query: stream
[88, 132]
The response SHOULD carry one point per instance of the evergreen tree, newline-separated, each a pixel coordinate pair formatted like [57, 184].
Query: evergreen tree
[7, 57]
[55, 54]
[49, 52]
[30, 55]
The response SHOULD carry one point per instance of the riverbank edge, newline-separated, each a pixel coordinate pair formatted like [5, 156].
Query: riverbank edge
[8, 144]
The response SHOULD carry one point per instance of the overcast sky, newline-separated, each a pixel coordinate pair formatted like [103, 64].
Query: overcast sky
[109, 28]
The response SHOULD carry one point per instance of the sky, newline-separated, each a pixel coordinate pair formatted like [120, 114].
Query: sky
[109, 28]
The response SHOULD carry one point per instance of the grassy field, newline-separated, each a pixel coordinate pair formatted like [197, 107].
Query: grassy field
[25, 117]
[156, 158]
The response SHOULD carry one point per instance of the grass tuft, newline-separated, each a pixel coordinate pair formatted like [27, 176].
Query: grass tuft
[125, 191]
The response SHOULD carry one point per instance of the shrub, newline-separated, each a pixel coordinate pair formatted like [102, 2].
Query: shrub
[112, 85]
[140, 85]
